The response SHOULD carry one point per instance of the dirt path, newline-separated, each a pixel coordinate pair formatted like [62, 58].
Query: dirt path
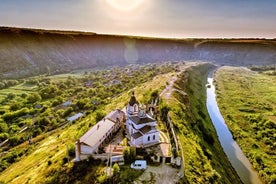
[166, 93]
[167, 175]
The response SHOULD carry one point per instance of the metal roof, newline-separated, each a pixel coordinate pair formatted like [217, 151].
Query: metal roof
[141, 120]
[136, 135]
[76, 116]
[116, 115]
[99, 130]
[147, 129]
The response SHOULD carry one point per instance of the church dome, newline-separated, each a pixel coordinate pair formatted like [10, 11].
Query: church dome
[133, 100]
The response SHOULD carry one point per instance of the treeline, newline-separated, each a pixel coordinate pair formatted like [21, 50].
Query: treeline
[268, 69]
[8, 83]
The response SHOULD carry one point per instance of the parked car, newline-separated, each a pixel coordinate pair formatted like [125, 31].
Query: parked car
[139, 164]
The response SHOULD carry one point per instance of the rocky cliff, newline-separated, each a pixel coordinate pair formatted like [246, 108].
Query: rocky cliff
[25, 52]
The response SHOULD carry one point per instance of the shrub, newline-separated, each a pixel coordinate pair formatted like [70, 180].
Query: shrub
[71, 150]
[49, 162]
[102, 178]
[65, 160]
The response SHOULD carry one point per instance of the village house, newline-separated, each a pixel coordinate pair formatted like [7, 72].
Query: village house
[140, 127]
[93, 140]
[75, 117]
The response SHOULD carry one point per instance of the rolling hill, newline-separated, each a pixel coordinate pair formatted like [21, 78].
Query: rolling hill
[27, 52]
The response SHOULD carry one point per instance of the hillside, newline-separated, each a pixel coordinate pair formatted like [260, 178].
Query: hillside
[205, 161]
[25, 52]
[44, 157]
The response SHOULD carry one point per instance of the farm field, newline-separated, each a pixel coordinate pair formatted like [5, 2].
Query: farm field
[247, 101]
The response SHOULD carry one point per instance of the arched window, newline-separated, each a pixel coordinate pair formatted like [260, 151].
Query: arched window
[148, 138]
[153, 137]
[135, 108]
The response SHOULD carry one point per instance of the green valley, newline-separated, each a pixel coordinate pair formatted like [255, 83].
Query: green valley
[46, 159]
[247, 100]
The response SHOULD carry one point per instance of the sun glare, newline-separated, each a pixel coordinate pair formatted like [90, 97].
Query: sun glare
[124, 5]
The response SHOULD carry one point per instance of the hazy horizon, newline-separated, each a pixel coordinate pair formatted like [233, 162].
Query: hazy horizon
[151, 18]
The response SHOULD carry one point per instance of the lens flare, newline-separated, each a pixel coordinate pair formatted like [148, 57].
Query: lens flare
[124, 5]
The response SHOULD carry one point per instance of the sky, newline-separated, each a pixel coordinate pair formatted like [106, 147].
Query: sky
[157, 18]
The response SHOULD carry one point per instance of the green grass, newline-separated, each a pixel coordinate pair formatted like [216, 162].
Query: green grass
[18, 89]
[247, 101]
[205, 161]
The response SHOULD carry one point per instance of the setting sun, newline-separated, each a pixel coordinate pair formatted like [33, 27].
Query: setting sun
[124, 5]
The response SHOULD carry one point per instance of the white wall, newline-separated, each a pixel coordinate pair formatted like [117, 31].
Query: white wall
[151, 141]
[86, 149]
[137, 142]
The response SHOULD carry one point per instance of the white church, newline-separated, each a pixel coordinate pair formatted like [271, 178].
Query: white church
[140, 126]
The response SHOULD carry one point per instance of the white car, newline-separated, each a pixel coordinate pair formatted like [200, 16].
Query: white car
[139, 164]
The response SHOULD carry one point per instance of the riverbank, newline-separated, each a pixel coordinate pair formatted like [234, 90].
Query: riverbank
[250, 114]
[205, 160]
[238, 160]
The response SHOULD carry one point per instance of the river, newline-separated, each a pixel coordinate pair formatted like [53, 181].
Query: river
[235, 155]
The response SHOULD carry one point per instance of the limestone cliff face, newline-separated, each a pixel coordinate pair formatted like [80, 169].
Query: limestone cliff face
[25, 52]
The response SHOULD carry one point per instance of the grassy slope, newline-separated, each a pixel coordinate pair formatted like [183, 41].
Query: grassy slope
[205, 161]
[34, 168]
[247, 100]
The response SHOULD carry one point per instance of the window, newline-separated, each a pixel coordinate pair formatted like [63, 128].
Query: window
[153, 137]
[135, 108]
[148, 138]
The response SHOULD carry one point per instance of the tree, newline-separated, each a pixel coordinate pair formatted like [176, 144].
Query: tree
[32, 98]
[116, 170]
[99, 116]
[14, 140]
[15, 106]
[3, 127]
[11, 96]
[68, 111]
[2, 85]
[24, 95]
[3, 136]
[154, 94]
[164, 111]
[129, 154]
